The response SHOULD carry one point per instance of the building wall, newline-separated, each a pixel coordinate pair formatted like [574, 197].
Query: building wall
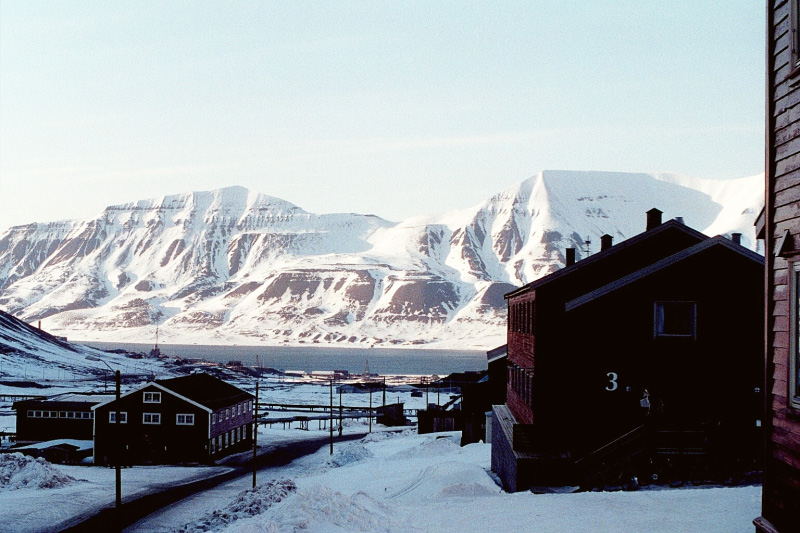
[166, 442]
[781, 494]
[33, 426]
[521, 350]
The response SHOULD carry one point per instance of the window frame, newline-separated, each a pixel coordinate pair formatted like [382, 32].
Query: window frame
[188, 416]
[123, 417]
[662, 335]
[155, 419]
[155, 397]
[793, 377]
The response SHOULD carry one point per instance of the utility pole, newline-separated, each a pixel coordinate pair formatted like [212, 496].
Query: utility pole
[370, 407]
[118, 474]
[384, 391]
[255, 437]
[331, 413]
[340, 412]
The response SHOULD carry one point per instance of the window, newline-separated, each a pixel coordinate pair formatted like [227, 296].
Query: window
[675, 319]
[182, 419]
[227, 414]
[123, 417]
[794, 332]
[151, 418]
[213, 418]
[152, 397]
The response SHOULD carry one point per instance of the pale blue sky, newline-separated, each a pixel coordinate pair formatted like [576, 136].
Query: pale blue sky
[393, 108]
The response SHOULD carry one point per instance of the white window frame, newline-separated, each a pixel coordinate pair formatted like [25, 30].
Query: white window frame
[793, 378]
[188, 419]
[123, 417]
[155, 419]
[660, 334]
[155, 397]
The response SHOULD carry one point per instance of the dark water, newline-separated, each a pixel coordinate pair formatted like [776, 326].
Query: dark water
[354, 360]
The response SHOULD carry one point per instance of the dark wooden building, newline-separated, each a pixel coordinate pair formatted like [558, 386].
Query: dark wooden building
[638, 359]
[64, 416]
[194, 418]
[780, 227]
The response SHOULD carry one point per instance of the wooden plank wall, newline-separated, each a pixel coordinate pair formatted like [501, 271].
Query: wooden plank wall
[521, 343]
[782, 477]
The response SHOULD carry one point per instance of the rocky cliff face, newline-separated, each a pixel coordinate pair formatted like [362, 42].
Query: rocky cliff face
[233, 265]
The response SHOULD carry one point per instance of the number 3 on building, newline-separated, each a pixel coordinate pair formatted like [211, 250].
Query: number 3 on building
[612, 382]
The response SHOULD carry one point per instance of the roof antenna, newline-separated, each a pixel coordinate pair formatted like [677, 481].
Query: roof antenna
[587, 246]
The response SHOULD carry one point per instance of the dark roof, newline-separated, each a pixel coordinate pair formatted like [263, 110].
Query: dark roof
[670, 225]
[463, 378]
[206, 390]
[660, 265]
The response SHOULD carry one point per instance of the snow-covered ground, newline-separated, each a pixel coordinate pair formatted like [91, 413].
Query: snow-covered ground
[383, 482]
[36, 496]
[409, 482]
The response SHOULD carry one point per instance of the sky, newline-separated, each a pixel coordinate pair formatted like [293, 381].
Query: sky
[398, 108]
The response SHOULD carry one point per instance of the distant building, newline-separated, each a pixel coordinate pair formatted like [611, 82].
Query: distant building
[780, 228]
[638, 361]
[195, 418]
[64, 416]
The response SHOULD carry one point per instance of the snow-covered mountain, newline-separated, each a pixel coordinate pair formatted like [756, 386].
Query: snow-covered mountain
[233, 265]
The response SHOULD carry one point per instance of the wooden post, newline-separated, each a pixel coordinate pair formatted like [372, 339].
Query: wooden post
[370, 408]
[331, 413]
[340, 412]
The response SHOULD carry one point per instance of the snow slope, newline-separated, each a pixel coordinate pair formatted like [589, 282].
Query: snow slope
[236, 266]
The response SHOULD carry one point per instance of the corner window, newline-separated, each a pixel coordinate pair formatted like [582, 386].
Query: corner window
[151, 418]
[184, 419]
[123, 417]
[794, 332]
[675, 319]
[152, 397]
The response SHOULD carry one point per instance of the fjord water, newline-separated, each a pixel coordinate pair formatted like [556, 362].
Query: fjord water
[309, 358]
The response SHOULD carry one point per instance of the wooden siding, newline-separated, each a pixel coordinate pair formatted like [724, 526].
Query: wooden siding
[781, 495]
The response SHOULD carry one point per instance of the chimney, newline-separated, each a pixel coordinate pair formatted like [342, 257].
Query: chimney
[606, 241]
[40, 325]
[570, 256]
[736, 238]
[680, 221]
[653, 219]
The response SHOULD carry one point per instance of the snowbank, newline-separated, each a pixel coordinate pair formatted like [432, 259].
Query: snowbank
[247, 503]
[18, 471]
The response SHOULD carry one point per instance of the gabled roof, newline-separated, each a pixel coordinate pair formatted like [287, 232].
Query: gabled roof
[670, 225]
[661, 265]
[206, 390]
[201, 390]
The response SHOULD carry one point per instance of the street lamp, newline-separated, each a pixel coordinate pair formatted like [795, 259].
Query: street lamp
[118, 461]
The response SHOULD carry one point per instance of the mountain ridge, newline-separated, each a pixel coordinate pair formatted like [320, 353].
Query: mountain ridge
[238, 266]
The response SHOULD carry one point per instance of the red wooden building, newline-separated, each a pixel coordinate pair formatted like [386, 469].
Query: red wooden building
[638, 361]
[194, 418]
[781, 232]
